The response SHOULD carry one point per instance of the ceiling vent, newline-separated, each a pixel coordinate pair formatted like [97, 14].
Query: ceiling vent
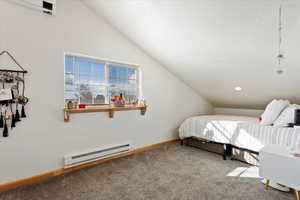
[45, 6]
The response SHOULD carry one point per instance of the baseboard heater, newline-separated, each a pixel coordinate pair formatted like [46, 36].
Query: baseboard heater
[91, 155]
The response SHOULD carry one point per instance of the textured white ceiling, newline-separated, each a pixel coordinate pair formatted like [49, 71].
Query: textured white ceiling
[216, 45]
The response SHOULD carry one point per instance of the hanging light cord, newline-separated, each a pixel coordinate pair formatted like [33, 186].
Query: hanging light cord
[280, 56]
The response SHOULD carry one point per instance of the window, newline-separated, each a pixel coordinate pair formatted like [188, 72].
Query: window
[93, 81]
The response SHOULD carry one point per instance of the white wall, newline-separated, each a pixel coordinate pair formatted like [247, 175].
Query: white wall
[238, 111]
[39, 41]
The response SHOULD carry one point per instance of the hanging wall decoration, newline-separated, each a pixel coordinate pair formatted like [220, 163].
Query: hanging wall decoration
[12, 95]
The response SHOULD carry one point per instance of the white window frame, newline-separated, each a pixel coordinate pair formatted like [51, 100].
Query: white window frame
[108, 62]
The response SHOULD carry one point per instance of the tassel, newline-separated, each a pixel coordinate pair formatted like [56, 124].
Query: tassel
[1, 121]
[23, 115]
[5, 130]
[12, 94]
[17, 116]
[13, 121]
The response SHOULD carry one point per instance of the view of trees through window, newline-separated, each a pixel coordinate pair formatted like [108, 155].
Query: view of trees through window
[95, 82]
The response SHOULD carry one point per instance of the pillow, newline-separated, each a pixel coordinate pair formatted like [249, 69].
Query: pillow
[272, 111]
[287, 116]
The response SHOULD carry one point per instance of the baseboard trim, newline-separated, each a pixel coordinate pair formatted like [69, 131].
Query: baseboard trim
[40, 177]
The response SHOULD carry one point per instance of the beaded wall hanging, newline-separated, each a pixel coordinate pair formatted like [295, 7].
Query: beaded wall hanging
[12, 96]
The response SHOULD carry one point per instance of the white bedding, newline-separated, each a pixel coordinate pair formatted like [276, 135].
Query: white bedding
[243, 132]
[254, 137]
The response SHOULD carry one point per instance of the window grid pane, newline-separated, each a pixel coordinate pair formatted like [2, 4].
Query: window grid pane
[123, 80]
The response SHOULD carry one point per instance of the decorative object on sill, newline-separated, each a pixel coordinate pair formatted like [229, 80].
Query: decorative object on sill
[135, 102]
[143, 102]
[280, 56]
[70, 105]
[9, 95]
[119, 101]
[81, 105]
[118, 104]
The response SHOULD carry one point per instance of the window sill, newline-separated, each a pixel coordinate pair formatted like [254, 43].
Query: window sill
[103, 108]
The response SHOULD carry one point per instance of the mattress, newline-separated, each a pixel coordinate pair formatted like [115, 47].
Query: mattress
[242, 132]
[217, 128]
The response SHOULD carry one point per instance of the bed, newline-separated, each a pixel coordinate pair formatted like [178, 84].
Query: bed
[243, 134]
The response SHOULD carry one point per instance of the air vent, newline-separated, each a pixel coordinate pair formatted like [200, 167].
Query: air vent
[46, 6]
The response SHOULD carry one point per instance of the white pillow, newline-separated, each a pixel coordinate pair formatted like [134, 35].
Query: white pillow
[287, 116]
[272, 111]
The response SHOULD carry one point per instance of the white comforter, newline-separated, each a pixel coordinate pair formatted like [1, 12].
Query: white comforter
[243, 132]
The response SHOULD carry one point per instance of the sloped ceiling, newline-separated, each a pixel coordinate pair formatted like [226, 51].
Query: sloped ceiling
[216, 45]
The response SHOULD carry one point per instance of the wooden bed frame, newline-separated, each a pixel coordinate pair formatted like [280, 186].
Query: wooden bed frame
[226, 150]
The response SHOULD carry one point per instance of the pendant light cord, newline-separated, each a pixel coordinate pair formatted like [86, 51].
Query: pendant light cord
[280, 35]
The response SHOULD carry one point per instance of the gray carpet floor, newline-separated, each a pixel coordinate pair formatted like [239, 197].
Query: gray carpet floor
[170, 172]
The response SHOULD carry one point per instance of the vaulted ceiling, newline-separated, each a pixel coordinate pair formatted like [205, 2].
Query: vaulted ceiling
[216, 45]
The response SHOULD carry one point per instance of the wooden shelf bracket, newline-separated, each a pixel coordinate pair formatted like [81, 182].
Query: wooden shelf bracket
[66, 116]
[111, 114]
[143, 111]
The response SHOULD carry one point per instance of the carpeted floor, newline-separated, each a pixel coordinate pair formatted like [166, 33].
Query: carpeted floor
[171, 172]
